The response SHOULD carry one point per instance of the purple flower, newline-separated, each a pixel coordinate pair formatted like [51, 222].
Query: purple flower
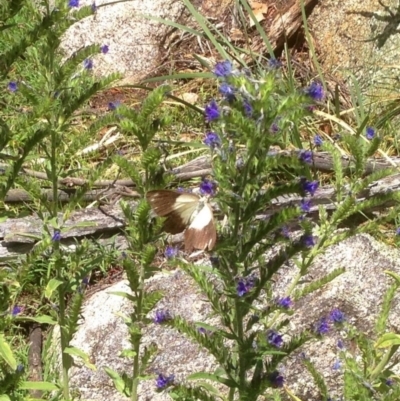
[94, 7]
[285, 302]
[315, 91]
[12, 86]
[104, 49]
[212, 140]
[171, 252]
[306, 156]
[274, 64]
[85, 281]
[164, 381]
[113, 105]
[274, 128]
[56, 235]
[285, 231]
[88, 63]
[274, 338]
[207, 187]
[223, 69]
[340, 344]
[20, 368]
[370, 133]
[389, 382]
[308, 240]
[248, 108]
[305, 205]
[337, 365]
[337, 316]
[161, 316]
[276, 379]
[322, 327]
[16, 310]
[309, 186]
[244, 285]
[318, 140]
[398, 231]
[228, 91]
[73, 3]
[212, 111]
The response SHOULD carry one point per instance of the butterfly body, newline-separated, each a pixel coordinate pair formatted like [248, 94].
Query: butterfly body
[185, 211]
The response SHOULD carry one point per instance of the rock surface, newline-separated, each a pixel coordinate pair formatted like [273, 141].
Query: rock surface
[134, 41]
[360, 38]
[358, 293]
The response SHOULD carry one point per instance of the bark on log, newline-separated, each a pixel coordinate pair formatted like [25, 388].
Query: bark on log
[199, 167]
[18, 236]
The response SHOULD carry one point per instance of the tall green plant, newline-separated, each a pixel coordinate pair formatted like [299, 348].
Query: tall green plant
[255, 239]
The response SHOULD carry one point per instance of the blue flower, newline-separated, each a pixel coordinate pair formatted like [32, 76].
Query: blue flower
[337, 365]
[306, 156]
[104, 49]
[322, 327]
[223, 69]
[207, 187]
[244, 285]
[370, 133]
[305, 205]
[285, 302]
[12, 86]
[318, 140]
[164, 381]
[285, 231]
[398, 231]
[309, 186]
[308, 240]
[212, 140]
[56, 235]
[16, 310]
[337, 316]
[113, 105]
[88, 64]
[228, 91]
[389, 382]
[315, 91]
[274, 63]
[275, 339]
[276, 379]
[73, 3]
[212, 111]
[161, 316]
[274, 128]
[20, 368]
[171, 252]
[248, 108]
[340, 344]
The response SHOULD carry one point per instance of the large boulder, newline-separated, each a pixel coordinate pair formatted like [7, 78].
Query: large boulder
[358, 293]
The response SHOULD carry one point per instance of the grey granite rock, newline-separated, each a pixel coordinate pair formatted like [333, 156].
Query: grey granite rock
[358, 293]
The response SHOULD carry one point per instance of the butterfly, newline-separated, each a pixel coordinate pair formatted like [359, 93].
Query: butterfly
[185, 211]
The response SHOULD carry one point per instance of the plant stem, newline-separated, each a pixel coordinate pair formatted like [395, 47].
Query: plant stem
[58, 265]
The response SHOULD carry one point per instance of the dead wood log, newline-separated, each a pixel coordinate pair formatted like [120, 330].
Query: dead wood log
[199, 167]
[19, 236]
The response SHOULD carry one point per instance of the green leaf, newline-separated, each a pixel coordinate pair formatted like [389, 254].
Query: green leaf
[44, 386]
[212, 377]
[117, 379]
[5, 398]
[394, 276]
[44, 319]
[82, 355]
[6, 353]
[388, 340]
[52, 285]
